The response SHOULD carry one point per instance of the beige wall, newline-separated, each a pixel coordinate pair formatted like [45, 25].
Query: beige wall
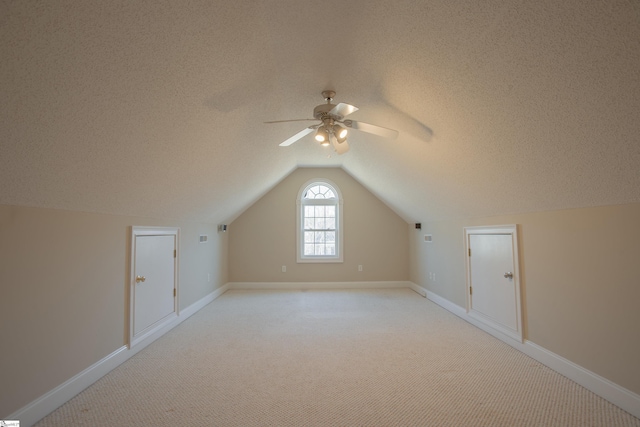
[263, 238]
[580, 273]
[64, 295]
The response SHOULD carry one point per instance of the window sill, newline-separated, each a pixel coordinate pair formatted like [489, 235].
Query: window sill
[337, 260]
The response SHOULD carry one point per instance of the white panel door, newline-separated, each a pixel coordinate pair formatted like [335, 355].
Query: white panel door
[154, 280]
[493, 293]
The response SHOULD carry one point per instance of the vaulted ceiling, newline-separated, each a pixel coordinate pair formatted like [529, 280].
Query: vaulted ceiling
[157, 108]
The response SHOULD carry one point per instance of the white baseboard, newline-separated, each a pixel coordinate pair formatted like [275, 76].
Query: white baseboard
[198, 305]
[317, 285]
[47, 403]
[618, 395]
[446, 304]
[614, 393]
[418, 289]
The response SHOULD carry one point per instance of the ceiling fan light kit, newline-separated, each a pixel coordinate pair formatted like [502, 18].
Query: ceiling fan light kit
[322, 136]
[332, 128]
[340, 133]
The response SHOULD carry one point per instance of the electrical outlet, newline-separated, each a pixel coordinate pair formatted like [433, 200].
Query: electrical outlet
[360, 268]
[284, 268]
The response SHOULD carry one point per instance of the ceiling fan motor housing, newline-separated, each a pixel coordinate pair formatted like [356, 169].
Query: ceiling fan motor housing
[322, 111]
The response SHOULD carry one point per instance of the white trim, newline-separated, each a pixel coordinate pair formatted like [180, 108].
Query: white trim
[316, 285]
[512, 230]
[447, 305]
[202, 302]
[156, 330]
[48, 402]
[607, 389]
[614, 393]
[418, 289]
[53, 399]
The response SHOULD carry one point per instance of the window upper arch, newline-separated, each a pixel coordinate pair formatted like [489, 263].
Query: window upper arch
[319, 189]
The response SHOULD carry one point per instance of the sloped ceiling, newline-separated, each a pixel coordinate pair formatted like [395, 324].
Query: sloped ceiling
[157, 108]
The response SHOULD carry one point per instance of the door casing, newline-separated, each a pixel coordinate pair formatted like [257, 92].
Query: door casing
[135, 338]
[511, 230]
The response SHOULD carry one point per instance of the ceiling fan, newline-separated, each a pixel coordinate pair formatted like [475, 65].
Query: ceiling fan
[332, 128]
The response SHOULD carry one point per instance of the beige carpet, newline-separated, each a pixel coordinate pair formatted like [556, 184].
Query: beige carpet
[332, 358]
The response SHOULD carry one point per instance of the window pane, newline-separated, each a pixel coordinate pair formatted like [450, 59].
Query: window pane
[319, 192]
[319, 211]
[330, 249]
[330, 223]
[330, 211]
[319, 237]
[311, 193]
[319, 224]
[308, 249]
[308, 236]
[308, 223]
[319, 250]
[308, 211]
[330, 236]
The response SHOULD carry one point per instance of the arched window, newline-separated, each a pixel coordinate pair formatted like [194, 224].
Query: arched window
[319, 228]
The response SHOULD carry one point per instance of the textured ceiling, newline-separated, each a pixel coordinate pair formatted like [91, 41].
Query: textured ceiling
[157, 108]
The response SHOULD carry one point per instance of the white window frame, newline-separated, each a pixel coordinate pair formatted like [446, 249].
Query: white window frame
[300, 204]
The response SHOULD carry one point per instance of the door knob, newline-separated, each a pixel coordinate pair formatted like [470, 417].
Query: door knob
[508, 275]
[142, 279]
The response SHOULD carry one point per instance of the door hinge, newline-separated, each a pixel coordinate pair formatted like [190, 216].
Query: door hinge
[469, 251]
[174, 253]
[470, 290]
[174, 292]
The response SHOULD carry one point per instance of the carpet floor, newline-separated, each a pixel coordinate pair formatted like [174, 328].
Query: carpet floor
[332, 358]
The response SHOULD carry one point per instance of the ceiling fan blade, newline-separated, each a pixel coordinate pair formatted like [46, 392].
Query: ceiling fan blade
[340, 147]
[297, 136]
[411, 125]
[369, 128]
[343, 109]
[294, 120]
